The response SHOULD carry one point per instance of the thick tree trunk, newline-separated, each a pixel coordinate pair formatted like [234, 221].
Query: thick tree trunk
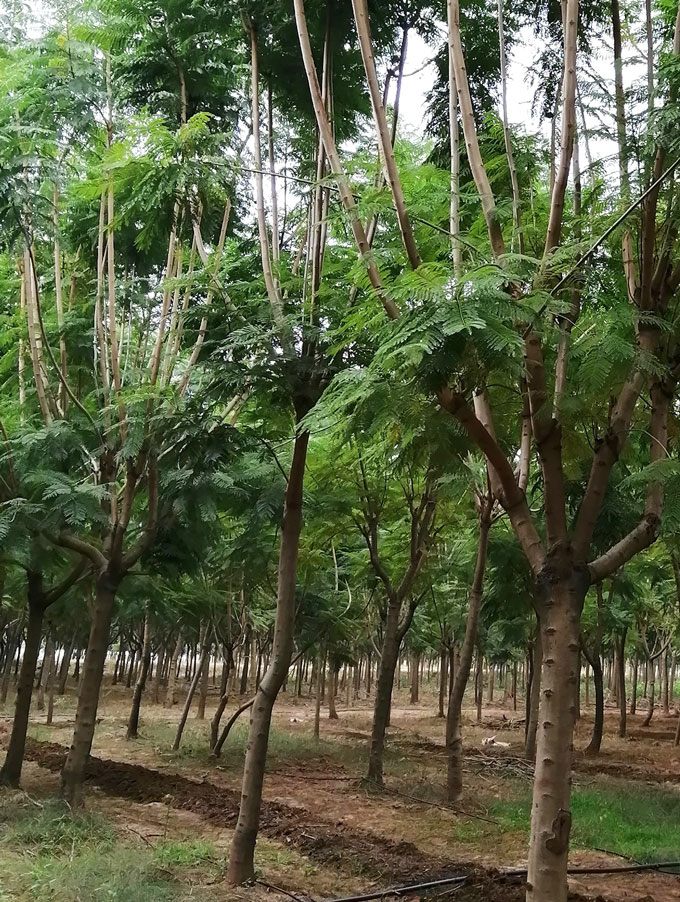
[563, 589]
[10, 774]
[133, 722]
[383, 692]
[454, 737]
[241, 866]
[73, 772]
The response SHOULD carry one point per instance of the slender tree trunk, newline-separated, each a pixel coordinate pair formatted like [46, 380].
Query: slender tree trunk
[561, 604]
[221, 705]
[622, 682]
[73, 772]
[64, 666]
[454, 736]
[333, 689]
[133, 722]
[203, 687]
[664, 684]
[415, 672]
[320, 663]
[13, 644]
[479, 684]
[650, 693]
[205, 651]
[534, 696]
[593, 746]
[172, 675]
[50, 685]
[634, 686]
[383, 692]
[10, 774]
[241, 866]
[443, 679]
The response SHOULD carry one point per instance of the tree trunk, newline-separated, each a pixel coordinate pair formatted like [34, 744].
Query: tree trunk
[241, 867]
[634, 686]
[383, 692]
[443, 679]
[534, 696]
[246, 659]
[64, 667]
[650, 693]
[158, 675]
[593, 746]
[563, 595]
[622, 682]
[13, 644]
[664, 684]
[48, 660]
[73, 772]
[133, 722]
[205, 650]
[172, 675]
[415, 672]
[320, 664]
[50, 685]
[203, 687]
[454, 736]
[10, 774]
[479, 684]
[221, 705]
[333, 689]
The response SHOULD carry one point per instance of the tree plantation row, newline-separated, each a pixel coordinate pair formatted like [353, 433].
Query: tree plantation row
[292, 395]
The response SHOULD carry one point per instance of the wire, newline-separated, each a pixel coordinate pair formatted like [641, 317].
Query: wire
[504, 875]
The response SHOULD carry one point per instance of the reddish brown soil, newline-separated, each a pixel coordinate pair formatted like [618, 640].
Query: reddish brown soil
[326, 843]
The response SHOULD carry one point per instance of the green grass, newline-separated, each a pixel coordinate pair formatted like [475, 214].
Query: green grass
[285, 748]
[48, 854]
[641, 824]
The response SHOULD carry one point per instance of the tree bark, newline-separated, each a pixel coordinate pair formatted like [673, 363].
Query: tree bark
[333, 689]
[415, 673]
[622, 682]
[10, 774]
[241, 866]
[454, 737]
[133, 722]
[73, 772]
[172, 675]
[634, 686]
[205, 649]
[383, 691]
[64, 666]
[562, 588]
[534, 696]
[443, 679]
[593, 746]
[203, 687]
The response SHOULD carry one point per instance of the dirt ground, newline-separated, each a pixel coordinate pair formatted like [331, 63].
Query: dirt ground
[325, 834]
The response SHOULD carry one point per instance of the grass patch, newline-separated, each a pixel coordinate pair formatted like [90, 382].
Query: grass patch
[641, 824]
[50, 855]
[286, 748]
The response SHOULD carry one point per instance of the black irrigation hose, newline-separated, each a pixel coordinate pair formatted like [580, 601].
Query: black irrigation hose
[517, 872]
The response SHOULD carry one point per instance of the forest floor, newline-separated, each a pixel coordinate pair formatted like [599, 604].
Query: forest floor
[158, 823]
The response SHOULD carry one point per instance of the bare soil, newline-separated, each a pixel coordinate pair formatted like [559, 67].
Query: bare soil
[318, 811]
